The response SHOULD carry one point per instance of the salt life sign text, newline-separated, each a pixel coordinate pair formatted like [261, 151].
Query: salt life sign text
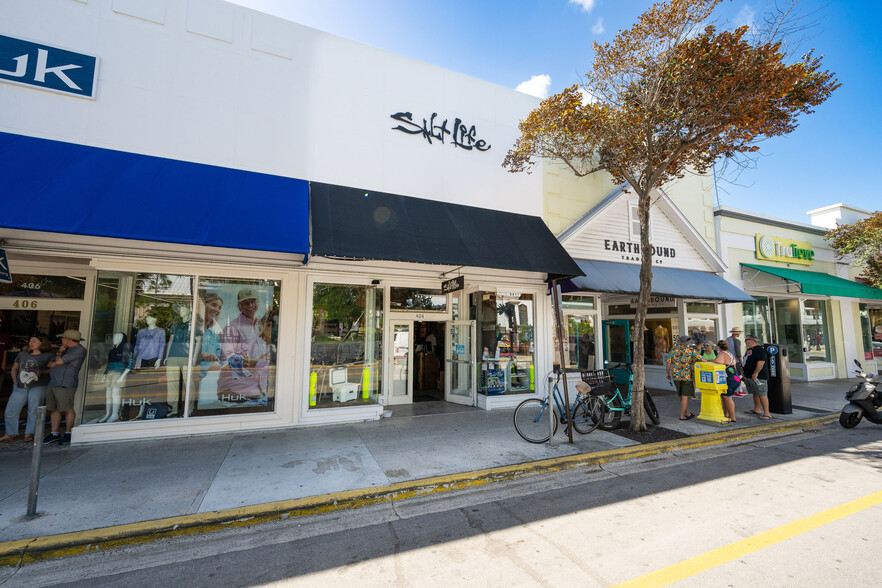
[461, 135]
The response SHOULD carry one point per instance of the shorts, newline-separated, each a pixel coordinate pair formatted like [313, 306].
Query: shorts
[758, 387]
[60, 398]
[685, 388]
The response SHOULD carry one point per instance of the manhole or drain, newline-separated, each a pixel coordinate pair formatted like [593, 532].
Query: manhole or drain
[650, 435]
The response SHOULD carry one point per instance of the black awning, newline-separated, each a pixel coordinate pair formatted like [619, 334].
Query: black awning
[348, 223]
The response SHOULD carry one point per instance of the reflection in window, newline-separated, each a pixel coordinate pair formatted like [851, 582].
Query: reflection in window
[506, 342]
[755, 316]
[347, 345]
[788, 327]
[38, 286]
[866, 330]
[816, 341]
[417, 299]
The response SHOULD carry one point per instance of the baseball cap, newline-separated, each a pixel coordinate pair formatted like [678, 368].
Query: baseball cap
[750, 338]
[247, 294]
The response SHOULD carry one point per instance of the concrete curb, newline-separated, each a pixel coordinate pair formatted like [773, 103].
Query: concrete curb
[24, 551]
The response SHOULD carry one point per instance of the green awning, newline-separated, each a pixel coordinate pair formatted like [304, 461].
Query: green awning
[818, 283]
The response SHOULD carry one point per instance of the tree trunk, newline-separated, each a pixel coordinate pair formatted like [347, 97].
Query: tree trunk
[638, 420]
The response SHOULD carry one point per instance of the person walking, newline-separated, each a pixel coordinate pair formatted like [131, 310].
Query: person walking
[64, 377]
[680, 366]
[756, 374]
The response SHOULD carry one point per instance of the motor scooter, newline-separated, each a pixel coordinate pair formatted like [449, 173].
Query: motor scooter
[864, 400]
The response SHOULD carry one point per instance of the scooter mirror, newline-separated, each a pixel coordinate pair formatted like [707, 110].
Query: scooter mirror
[857, 363]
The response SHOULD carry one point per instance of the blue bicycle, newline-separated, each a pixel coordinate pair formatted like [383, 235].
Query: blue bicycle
[585, 413]
[615, 404]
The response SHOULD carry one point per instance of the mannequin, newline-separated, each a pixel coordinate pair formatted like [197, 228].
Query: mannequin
[661, 342]
[120, 361]
[149, 344]
[177, 355]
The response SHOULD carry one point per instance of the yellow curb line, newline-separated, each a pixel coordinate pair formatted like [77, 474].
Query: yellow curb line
[24, 551]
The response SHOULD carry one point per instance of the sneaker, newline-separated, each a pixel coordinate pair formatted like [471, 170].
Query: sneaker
[51, 439]
[65, 439]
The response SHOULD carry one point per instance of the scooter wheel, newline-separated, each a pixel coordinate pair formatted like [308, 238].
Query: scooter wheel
[850, 419]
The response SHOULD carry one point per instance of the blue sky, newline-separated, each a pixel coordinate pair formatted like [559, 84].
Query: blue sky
[547, 44]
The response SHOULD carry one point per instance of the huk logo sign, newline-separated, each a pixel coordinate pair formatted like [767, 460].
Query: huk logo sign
[49, 68]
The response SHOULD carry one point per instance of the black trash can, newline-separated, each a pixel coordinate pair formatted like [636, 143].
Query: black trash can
[779, 379]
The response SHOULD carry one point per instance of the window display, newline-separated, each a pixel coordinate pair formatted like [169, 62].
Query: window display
[347, 346]
[153, 357]
[505, 341]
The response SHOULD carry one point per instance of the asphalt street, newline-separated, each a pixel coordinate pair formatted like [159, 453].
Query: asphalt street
[760, 513]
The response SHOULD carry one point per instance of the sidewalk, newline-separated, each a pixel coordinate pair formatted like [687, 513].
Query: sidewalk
[98, 486]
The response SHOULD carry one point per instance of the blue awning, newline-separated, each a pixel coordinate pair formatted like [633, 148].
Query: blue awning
[624, 278]
[69, 188]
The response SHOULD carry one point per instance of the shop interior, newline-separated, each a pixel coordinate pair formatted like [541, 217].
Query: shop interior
[428, 361]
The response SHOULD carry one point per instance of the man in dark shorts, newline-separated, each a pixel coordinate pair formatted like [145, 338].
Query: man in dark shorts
[756, 374]
[64, 377]
[681, 365]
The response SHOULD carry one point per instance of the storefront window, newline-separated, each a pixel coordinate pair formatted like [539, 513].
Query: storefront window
[755, 316]
[347, 346]
[153, 356]
[788, 327]
[875, 315]
[36, 286]
[506, 342]
[702, 329]
[816, 341]
[580, 344]
[238, 329]
[577, 302]
[658, 339]
[866, 331]
[417, 299]
[701, 307]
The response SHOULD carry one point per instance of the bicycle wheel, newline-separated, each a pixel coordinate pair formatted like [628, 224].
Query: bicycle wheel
[531, 422]
[650, 409]
[611, 417]
[584, 420]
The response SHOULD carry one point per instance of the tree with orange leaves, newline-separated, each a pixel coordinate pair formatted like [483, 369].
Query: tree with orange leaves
[670, 95]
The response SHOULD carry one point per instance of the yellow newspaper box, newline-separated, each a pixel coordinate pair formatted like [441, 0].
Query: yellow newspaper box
[710, 379]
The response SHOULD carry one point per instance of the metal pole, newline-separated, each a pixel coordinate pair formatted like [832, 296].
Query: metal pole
[555, 293]
[35, 461]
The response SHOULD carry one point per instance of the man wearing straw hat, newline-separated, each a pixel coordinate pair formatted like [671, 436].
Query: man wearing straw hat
[735, 348]
[64, 377]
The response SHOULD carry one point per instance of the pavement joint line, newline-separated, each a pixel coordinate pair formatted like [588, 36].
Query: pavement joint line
[29, 550]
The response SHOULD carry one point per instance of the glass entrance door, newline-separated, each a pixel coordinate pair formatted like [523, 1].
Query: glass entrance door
[617, 348]
[401, 363]
[460, 366]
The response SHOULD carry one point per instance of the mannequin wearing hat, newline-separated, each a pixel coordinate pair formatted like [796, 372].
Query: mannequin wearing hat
[244, 353]
[149, 344]
[120, 361]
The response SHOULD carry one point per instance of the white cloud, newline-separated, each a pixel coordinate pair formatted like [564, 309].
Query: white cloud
[598, 29]
[586, 5]
[536, 86]
[587, 97]
[745, 16]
